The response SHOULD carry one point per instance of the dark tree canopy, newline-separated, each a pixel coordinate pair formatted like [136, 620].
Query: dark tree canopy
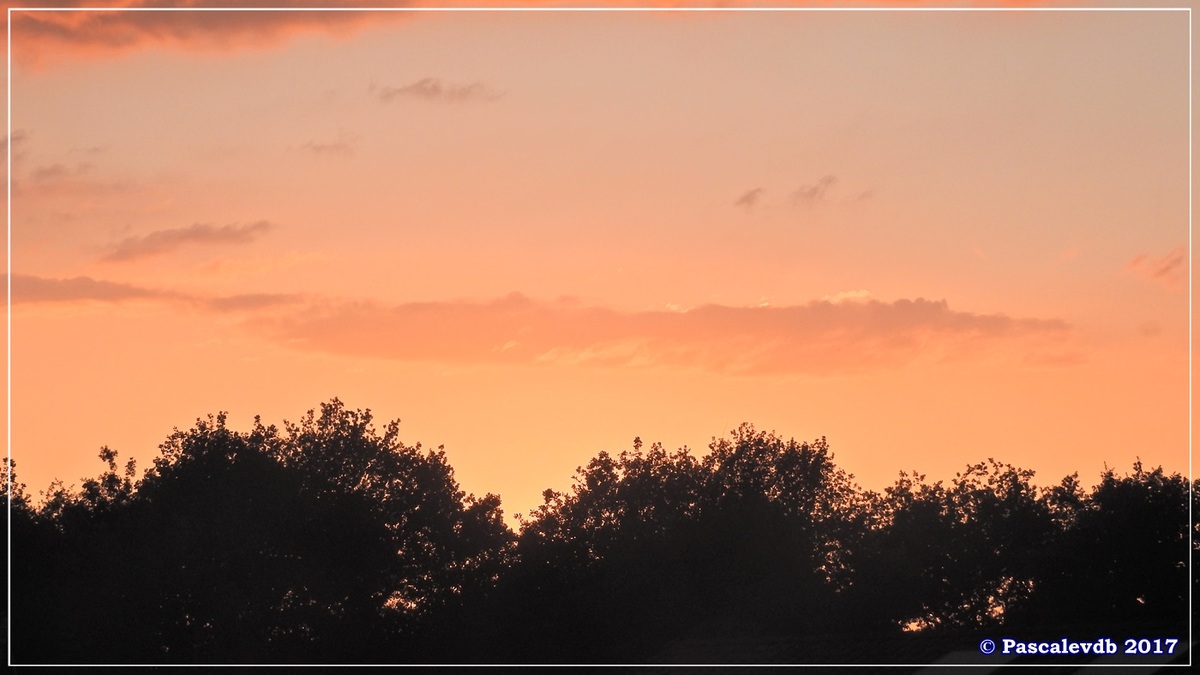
[955, 556]
[1120, 553]
[329, 540]
[324, 541]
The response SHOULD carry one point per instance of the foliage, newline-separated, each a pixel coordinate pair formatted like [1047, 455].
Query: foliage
[326, 542]
[957, 555]
[1122, 556]
[329, 540]
[652, 545]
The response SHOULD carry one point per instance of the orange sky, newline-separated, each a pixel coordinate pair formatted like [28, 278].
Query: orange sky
[933, 237]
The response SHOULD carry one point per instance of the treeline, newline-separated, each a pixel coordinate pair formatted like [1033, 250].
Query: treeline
[331, 541]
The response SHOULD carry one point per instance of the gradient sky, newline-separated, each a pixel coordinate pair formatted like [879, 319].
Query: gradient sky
[932, 237]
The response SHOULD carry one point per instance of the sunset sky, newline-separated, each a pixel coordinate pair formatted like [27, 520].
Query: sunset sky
[932, 237]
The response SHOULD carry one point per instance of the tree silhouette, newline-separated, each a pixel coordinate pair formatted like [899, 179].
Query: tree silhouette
[591, 563]
[957, 555]
[254, 547]
[22, 523]
[1120, 555]
[331, 541]
[652, 546]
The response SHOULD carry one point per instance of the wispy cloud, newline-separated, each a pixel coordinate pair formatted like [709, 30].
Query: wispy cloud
[28, 289]
[60, 179]
[164, 241]
[16, 140]
[55, 172]
[749, 198]
[342, 147]
[819, 338]
[33, 289]
[811, 194]
[48, 37]
[819, 193]
[433, 89]
[1169, 269]
[69, 186]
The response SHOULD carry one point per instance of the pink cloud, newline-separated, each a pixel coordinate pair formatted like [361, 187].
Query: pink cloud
[1169, 269]
[817, 338]
[43, 37]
